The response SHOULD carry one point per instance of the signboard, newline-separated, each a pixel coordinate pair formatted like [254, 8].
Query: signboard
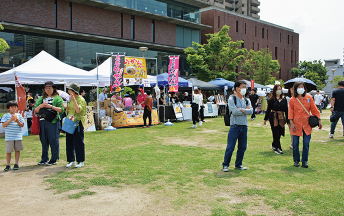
[173, 73]
[116, 79]
[135, 70]
[89, 120]
[178, 110]
[190, 84]
[146, 83]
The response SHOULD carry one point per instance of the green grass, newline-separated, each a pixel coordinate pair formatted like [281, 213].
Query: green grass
[185, 165]
[80, 194]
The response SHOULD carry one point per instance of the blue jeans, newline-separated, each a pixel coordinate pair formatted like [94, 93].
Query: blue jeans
[49, 135]
[334, 124]
[236, 132]
[296, 151]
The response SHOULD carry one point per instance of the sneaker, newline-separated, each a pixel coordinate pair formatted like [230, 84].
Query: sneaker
[194, 126]
[79, 165]
[71, 164]
[42, 162]
[252, 119]
[51, 163]
[296, 164]
[200, 123]
[203, 121]
[279, 151]
[241, 167]
[16, 167]
[273, 148]
[7, 168]
[331, 135]
[304, 165]
[225, 169]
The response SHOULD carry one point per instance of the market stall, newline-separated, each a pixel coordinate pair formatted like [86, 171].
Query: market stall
[132, 118]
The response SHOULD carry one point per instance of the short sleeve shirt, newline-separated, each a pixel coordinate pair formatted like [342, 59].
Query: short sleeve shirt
[317, 99]
[13, 131]
[338, 94]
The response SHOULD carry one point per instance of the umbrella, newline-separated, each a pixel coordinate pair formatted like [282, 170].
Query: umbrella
[222, 83]
[64, 95]
[310, 85]
[261, 93]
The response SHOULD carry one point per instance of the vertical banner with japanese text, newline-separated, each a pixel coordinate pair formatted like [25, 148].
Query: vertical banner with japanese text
[135, 69]
[21, 97]
[252, 84]
[173, 72]
[116, 79]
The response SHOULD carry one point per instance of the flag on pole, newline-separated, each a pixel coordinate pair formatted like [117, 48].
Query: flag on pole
[173, 72]
[21, 97]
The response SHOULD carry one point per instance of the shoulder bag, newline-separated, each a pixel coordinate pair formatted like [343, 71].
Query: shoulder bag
[47, 113]
[313, 120]
[35, 127]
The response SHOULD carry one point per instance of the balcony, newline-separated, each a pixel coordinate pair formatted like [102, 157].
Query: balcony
[219, 4]
[256, 16]
[229, 6]
[255, 9]
[255, 2]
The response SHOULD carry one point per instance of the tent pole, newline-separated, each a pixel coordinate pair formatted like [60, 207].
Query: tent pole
[98, 104]
[164, 104]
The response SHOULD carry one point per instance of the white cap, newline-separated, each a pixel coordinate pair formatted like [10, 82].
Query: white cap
[195, 88]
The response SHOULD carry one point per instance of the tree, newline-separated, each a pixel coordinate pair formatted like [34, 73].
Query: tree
[3, 44]
[218, 58]
[260, 66]
[312, 70]
[336, 80]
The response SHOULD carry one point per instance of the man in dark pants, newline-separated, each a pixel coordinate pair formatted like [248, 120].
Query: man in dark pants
[201, 111]
[337, 105]
[254, 98]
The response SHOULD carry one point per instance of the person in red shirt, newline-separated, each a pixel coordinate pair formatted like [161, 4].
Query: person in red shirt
[147, 113]
[141, 97]
[299, 121]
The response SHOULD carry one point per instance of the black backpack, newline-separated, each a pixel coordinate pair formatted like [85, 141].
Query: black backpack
[227, 117]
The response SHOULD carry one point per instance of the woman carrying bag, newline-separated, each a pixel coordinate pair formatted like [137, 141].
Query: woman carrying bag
[300, 105]
[48, 106]
[76, 111]
[277, 114]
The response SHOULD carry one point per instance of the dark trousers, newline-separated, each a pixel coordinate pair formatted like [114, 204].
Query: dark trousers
[201, 113]
[75, 142]
[254, 111]
[194, 108]
[319, 107]
[49, 135]
[147, 114]
[276, 134]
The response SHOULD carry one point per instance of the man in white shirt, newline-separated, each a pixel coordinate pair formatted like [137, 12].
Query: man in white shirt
[318, 98]
[103, 95]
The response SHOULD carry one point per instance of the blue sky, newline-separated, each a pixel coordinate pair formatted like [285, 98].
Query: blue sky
[318, 22]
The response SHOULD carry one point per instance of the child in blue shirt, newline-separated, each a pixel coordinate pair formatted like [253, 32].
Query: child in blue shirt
[13, 122]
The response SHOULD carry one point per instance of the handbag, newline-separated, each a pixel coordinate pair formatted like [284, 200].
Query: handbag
[35, 127]
[69, 126]
[48, 114]
[313, 120]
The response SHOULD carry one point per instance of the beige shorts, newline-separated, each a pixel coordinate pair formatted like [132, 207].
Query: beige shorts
[16, 145]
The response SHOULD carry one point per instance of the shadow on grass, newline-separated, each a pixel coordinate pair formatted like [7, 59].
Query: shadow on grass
[300, 170]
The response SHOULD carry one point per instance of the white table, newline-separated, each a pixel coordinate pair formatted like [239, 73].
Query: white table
[206, 111]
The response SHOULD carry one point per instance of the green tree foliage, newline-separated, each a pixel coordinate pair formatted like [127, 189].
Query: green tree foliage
[312, 70]
[216, 59]
[260, 67]
[3, 44]
[336, 80]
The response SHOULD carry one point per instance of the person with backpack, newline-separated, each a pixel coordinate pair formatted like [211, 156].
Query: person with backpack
[239, 107]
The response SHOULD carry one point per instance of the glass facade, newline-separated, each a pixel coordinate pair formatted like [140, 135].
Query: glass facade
[77, 53]
[185, 36]
[165, 8]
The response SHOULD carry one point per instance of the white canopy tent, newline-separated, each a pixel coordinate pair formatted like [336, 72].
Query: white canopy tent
[44, 67]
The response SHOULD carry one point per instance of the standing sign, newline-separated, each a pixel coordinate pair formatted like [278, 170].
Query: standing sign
[173, 72]
[252, 84]
[116, 79]
[134, 71]
[21, 99]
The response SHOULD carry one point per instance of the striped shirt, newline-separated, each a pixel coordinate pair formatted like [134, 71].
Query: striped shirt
[13, 131]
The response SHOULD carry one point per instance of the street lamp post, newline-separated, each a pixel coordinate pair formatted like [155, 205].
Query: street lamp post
[143, 49]
[333, 70]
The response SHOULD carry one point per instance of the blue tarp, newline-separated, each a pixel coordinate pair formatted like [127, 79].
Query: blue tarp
[163, 81]
[222, 83]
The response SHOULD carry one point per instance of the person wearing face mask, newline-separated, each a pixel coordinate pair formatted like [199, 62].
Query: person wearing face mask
[298, 117]
[238, 128]
[141, 97]
[277, 114]
[290, 95]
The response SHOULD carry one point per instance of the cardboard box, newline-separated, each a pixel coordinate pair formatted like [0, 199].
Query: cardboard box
[104, 122]
[107, 102]
[101, 104]
[109, 111]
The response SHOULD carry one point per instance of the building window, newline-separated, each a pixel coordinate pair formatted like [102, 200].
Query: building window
[291, 60]
[55, 13]
[70, 15]
[218, 22]
[237, 69]
[237, 26]
[292, 40]
[262, 32]
[253, 46]
[284, 55]
[255, 31]
[132, 27]
[153, 31]
[121, 25]
[280, 37]
[295, 57]
[288, 39]
[267, 46]
[267, 33]
[243, 44]
[245, 28]
[258, 46]
[276, 53]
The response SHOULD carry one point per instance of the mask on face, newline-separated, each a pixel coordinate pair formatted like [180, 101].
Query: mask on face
[278, 92]
[243, 91]
[300, 91]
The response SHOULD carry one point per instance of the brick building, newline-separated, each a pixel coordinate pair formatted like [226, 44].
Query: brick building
[256, 34]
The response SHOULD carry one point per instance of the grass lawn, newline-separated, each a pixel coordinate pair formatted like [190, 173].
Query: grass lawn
[183, 165]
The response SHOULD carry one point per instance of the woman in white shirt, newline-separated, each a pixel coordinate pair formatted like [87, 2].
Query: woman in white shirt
[196, 106]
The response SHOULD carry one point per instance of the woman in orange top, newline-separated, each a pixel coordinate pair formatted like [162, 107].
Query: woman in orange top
[299, 121]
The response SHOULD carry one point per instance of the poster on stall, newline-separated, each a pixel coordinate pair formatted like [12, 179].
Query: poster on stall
[135, 70]
[89, 120]
[173, 72]
[178, 110]
[116, 79]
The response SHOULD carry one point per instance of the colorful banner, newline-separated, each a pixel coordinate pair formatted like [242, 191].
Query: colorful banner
[21, 97]
[252, 84]
[173, 72]
[135, 70]
[116, 79]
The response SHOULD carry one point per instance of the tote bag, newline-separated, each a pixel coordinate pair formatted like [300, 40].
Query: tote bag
[69, 126]
[35, 127]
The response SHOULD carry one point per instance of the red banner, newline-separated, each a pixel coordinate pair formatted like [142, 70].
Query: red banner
[252, 84]
[173, 72]
[21, 97]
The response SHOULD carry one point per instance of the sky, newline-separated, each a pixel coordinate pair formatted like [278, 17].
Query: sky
[318, 23]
